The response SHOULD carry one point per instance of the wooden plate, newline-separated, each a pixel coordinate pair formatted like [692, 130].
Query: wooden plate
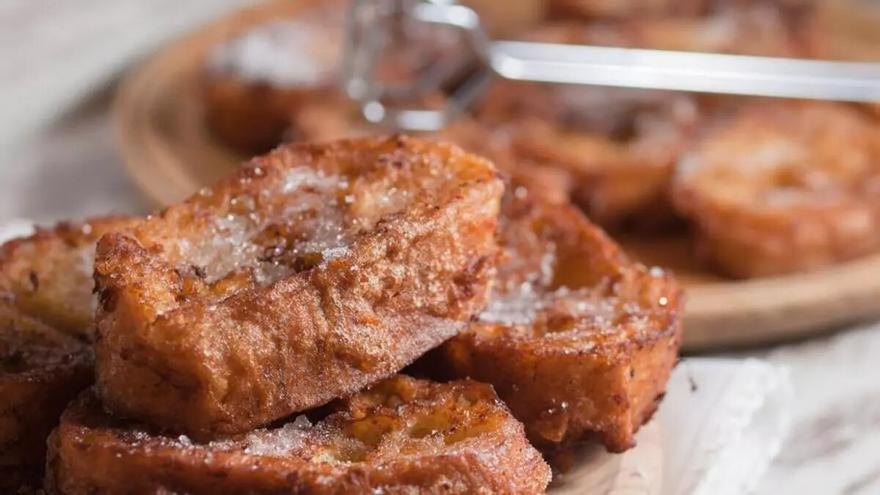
[724, 313]
[170, 154]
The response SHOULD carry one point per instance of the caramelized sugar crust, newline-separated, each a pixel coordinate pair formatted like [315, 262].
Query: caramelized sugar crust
[313, 272]
[41, 370]
[400, 436]
[576, 339]
[49, 275]
[46, 308]
[783, 187]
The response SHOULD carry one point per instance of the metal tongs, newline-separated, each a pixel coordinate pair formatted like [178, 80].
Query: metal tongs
[371, 21]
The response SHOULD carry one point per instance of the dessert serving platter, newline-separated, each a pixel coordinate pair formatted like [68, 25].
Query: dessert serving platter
[170, 153]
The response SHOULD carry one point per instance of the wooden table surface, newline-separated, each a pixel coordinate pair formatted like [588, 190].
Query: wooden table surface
[58, 65]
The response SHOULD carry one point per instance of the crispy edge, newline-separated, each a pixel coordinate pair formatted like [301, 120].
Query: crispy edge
[39, 298]
[34, 398]
[92, 452]
[37, 273]
[567, 394]
[239, 378]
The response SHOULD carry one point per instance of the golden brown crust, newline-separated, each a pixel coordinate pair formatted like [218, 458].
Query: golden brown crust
[401, 436]
[783, 187]
[46, 304]
[41, 370]
[311, 273]
[49, 275]
[576, 339]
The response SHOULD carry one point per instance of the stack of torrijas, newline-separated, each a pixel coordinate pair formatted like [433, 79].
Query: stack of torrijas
[249, 339]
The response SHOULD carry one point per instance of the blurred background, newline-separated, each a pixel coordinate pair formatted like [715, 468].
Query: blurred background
[62, 156]
[58, 69]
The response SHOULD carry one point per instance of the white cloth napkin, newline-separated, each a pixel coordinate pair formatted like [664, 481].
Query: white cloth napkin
[721, 423]
[719, 427]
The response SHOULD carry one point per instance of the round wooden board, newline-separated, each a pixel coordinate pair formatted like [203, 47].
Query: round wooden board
[733, 313]
[170, 154]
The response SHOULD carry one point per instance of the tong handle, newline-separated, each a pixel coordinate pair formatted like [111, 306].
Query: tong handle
[686, 71]
[584, 64]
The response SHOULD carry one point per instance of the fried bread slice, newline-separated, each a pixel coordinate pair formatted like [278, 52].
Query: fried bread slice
[251, 84]
[46, 305]
[49, 275]
[310, 273]
[527, 176]
[41, 370]
[401, 436]
[251, 81]
[784, 186]
[619, 146]
[576, 339]
[339, 117]
[618, 181]
[615, 147]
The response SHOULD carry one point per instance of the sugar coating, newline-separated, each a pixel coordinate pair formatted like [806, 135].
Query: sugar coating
[308, 217]
[528, 299]
[385, 425]
[281, 441]
[284, 53]
[246, 240]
